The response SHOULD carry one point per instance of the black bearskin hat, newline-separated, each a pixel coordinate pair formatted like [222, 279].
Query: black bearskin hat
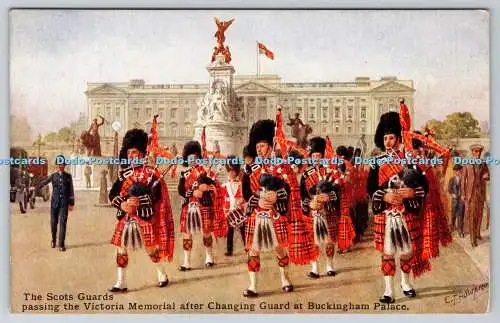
[318, 145]
[389, 124]
[191, 148]
[262, 130]
[134, 138]
[232, 165]
[295, 154]
[246, 153]
[342, 151]
[416, 143]
[350, 151]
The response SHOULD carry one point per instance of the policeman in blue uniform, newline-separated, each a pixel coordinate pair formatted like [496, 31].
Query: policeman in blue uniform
[63, 199]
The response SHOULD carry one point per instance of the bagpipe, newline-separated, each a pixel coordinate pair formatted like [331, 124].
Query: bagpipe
[429, 145]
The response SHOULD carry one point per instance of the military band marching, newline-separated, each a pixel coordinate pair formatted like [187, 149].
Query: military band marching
[302, 213]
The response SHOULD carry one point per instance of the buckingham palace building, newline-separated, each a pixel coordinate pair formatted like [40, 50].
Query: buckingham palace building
[342, 110]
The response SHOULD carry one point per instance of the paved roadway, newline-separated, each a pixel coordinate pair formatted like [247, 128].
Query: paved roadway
[88, 267]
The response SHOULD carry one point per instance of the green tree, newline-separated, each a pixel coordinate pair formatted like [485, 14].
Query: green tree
[66, 135]
[51, 137]
[461, 125]
[438, 127]
[456, 125]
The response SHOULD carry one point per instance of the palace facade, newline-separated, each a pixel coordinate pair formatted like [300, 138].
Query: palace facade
[342, 110]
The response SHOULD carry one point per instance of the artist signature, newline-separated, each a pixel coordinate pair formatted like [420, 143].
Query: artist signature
[465, 293]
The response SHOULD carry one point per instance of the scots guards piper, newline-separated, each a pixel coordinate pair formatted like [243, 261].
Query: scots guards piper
[143, 211]
[201, 209]
[397, 192]
[320, 200]
[275, 221]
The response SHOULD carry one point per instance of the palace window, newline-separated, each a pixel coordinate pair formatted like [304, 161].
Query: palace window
[148, 112]
[349, 129]
[136, 112]
[117, 112]
[173, 113]
[299, 111]
[337, 128]
[363, 113]
[173, 129]
[161, 129]
[312, 113]
[349, 112]
[337, 112]
[324, 113]
[161, 113]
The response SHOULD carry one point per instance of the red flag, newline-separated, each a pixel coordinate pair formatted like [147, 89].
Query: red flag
[404, 116]
[279, 123]
[263, 50]
[329, 152]
[405, 121]
[280, 134]
[154, 134]
[204, 143]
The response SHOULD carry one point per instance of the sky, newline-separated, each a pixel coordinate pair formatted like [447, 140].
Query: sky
[55, 52]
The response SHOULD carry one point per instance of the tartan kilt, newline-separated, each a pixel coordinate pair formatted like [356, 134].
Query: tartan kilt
[207, 219]
[280, 228]
[301, 247]
[148, 232]
[415, 230]
[413, 222]
[332, 223]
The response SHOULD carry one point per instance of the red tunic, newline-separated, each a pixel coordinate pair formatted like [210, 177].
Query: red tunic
[294, 228]
[157, 231]
[212, 216]
[339, 224]
[378, 180]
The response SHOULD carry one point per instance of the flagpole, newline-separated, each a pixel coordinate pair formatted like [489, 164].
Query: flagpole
[258, 59]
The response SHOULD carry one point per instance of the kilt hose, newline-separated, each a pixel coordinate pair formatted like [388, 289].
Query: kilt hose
[418, 264]
[207, 222]
[280, 226]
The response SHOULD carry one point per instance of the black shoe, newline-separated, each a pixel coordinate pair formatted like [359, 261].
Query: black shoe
[386, 299]
[312, 275]
[287, 289]
[331, 273]
[118, 290]
[228, 254]
[249, 293]
[182, 268]
[163, 284]
[410, 293]
[53, 244]
[209, 264]
[63, 248]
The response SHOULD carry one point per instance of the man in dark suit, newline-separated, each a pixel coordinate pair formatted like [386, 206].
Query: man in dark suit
[63, 198]
[457, 205]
